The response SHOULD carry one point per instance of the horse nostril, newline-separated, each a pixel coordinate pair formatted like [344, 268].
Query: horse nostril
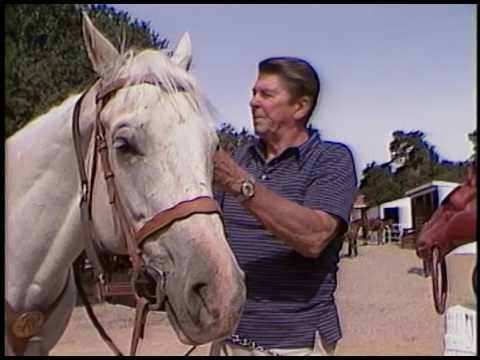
[199, 289]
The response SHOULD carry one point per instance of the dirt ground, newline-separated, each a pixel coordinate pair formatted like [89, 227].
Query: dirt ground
[385, 306]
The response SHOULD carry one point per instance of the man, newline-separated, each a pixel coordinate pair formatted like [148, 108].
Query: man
[286, 200]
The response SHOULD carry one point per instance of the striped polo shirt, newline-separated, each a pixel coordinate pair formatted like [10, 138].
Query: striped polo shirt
[290, 297]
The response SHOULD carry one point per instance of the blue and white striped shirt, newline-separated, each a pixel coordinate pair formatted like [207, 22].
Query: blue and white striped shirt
[289, 297]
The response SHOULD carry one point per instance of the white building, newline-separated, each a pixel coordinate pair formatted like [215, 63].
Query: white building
[426, 198]
[400, 210]
[443, 188]
[413, 210]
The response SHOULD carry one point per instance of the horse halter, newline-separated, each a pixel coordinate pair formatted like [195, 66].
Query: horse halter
[134, 239]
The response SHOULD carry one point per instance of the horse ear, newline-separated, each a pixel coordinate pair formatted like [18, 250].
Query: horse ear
[183, 53]
[101, 52]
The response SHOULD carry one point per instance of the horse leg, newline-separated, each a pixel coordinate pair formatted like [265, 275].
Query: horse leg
[366, 236]
[349, 238]
[354, 244]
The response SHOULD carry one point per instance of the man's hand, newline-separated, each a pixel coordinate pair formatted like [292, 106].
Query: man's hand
[228, 175]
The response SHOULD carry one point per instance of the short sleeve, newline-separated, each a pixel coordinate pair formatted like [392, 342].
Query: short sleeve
[334, 182]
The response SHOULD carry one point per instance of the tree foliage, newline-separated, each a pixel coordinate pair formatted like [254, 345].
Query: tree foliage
[230, 138]
[473, 139]
[378, 184]
[414, 162]
[45, 60]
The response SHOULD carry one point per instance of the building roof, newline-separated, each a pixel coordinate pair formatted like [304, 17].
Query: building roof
[395, 202]
[432, 184]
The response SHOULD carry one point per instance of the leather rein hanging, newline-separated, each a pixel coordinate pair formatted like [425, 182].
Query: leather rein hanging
[439, 280]
[133, 239]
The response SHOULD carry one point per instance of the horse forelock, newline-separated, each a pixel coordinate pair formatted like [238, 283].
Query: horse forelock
[171, 78]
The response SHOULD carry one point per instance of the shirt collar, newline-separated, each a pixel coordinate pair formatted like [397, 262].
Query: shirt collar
[300, 152]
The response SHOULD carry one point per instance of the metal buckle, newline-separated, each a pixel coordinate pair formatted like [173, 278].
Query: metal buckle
[142, 279]
[28, 324]
[84, 192]
[101, 278]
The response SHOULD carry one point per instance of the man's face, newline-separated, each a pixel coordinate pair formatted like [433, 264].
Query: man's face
[272, 108]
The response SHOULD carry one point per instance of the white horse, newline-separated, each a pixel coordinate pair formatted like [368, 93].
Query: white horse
[161, 140]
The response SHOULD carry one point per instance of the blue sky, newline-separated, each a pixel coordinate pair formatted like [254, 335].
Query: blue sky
[383, 67]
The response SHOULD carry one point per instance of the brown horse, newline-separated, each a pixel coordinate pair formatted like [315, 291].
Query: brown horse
[377, 226]
[368, 226]
[451, 225]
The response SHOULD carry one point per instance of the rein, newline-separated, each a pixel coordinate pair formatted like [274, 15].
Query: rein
[441, 234]
[134, 239]
[439, 281]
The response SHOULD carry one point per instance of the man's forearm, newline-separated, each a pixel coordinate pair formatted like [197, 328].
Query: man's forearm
[307, 231]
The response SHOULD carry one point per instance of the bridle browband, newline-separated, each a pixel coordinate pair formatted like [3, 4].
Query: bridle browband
[134, 239]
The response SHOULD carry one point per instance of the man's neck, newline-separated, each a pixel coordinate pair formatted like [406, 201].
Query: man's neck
[275, 145]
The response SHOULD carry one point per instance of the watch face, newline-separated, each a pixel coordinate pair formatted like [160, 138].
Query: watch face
[248, 189]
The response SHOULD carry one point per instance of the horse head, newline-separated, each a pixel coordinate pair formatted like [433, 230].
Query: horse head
[157, 142]
[452, 224]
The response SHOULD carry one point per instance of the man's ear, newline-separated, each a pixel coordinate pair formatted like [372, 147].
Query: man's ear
[303, 107]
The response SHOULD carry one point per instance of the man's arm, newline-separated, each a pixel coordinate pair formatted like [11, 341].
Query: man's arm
[306, 230]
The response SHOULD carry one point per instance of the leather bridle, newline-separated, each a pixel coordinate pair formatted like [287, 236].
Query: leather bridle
[134, 239]
[145, 301]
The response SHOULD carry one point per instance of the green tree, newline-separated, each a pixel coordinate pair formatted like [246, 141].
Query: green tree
[473, 138]
[378, 184]
[452, 171]
[412, 151]
[230, 138]
[413, 162]
[45, 60]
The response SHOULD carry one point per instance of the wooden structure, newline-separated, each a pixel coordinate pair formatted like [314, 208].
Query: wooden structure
[425, 199]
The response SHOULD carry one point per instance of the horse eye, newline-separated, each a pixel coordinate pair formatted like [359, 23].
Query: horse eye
[121, 143]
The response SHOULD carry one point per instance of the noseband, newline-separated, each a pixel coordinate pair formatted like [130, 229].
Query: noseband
[134, 239]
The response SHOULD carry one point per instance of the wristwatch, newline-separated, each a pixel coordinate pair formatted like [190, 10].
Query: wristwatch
[247, 189]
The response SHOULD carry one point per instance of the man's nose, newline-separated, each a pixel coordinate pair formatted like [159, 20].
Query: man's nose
[254, 101]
